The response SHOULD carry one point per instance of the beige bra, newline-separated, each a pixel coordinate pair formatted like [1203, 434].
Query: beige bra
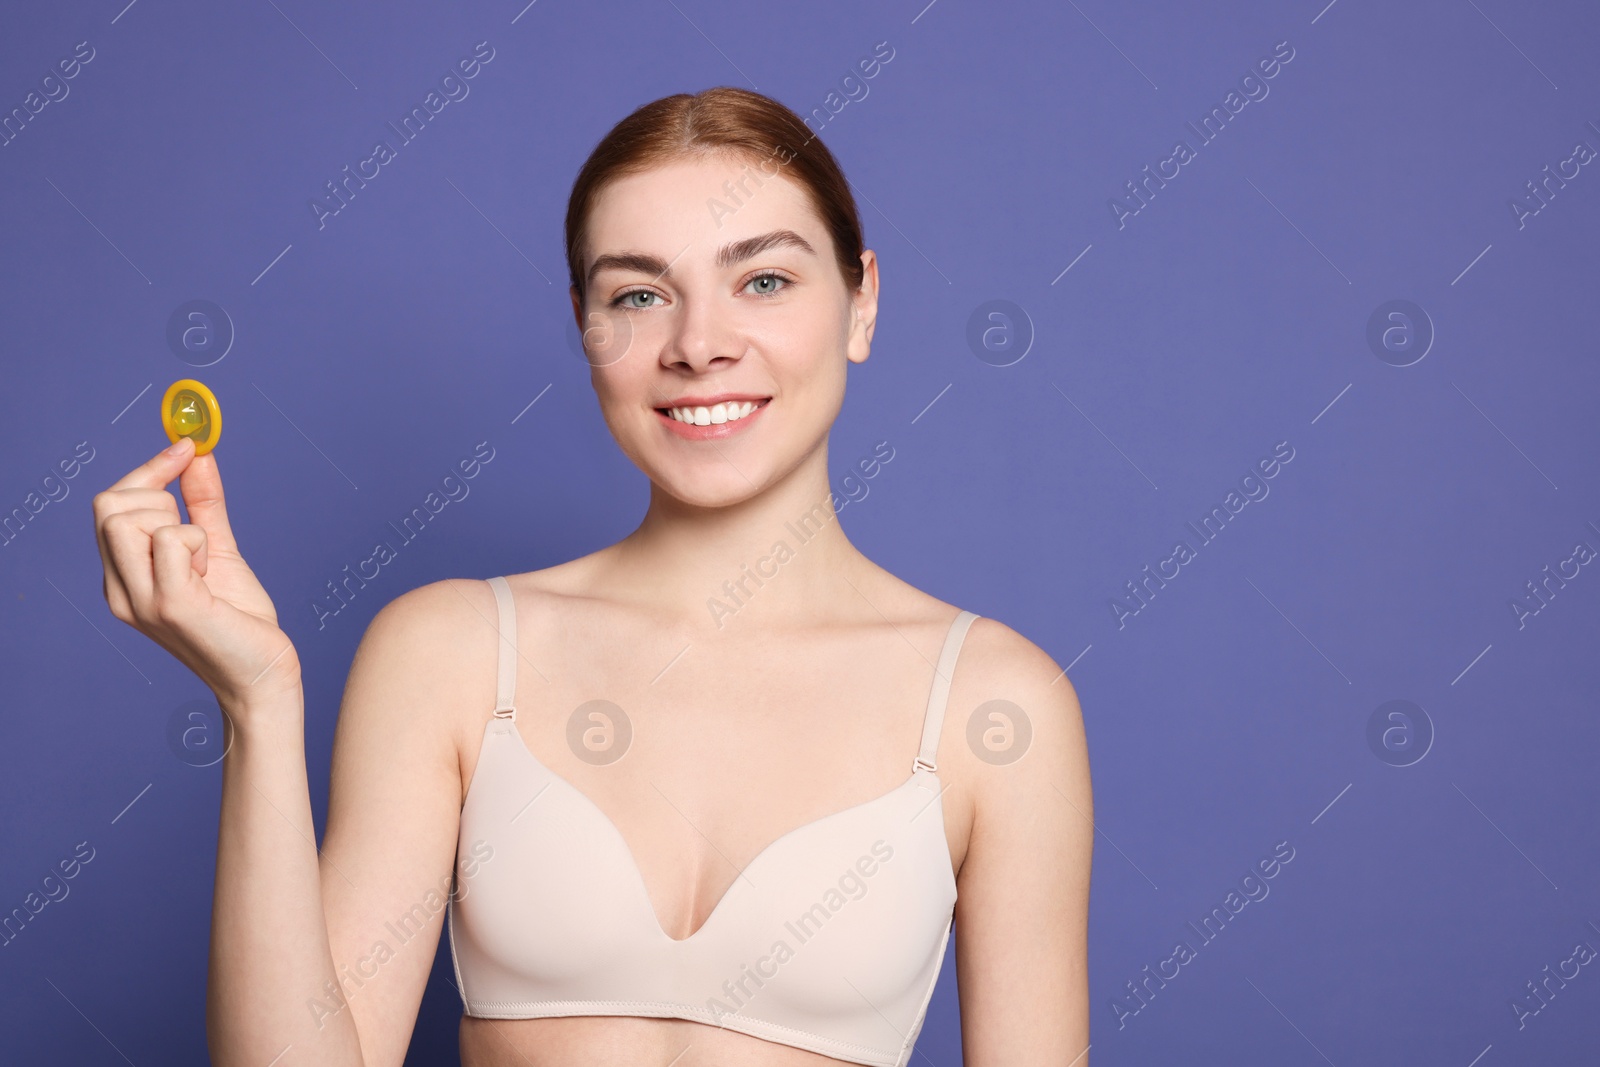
[830, 940]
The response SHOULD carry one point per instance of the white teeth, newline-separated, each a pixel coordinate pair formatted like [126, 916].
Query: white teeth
[715, 415]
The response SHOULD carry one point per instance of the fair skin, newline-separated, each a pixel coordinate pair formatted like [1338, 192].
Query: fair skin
[831, 718]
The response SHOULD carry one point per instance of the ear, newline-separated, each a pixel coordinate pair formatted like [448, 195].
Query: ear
[577, 308]
[864, 310]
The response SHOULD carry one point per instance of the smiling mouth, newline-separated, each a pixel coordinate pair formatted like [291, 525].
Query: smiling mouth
[715, 414]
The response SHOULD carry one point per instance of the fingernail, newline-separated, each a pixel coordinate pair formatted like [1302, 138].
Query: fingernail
[176, 446]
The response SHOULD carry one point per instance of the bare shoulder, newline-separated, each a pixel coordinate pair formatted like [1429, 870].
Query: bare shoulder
[431, 624]
[451, 623]
[1000, 663]
[434, 604]
[1012, 709]
[410, 664]
[441, 637]
[445, 631]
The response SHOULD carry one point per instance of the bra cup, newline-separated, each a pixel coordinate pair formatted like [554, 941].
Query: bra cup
[553, 924]
[848, 900]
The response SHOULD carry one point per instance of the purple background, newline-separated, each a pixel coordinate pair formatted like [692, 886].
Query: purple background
[1229, 314]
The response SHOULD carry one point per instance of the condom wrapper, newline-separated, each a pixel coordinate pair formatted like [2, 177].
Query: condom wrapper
[190, 410]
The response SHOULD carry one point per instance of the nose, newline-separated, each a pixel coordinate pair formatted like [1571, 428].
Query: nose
[704, 337]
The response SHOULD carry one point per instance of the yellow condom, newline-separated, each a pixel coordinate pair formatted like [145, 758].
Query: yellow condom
[190, 410]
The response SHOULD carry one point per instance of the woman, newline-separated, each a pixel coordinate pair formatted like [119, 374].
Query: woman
[698, 843]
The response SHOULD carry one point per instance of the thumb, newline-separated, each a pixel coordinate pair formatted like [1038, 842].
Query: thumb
[201, 484]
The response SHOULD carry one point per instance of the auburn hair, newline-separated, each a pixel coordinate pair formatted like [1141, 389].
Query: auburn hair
[723, 119]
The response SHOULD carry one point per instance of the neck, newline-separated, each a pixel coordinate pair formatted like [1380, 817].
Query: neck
[778, 559]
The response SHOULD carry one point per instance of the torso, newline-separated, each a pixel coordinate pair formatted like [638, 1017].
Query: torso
[739, 734]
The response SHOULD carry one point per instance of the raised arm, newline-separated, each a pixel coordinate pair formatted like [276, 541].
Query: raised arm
[327, 957]
[285, 922]
[1021, 919]
[186, 587]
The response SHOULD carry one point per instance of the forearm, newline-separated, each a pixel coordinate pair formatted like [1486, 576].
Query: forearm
[272, 974]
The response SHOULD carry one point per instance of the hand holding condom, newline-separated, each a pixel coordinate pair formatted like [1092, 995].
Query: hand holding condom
[185, 585]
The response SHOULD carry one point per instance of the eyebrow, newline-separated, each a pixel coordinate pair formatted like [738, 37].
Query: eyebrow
[728, 255]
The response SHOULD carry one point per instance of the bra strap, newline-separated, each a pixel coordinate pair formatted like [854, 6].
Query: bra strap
[933, 719]
[506, 670]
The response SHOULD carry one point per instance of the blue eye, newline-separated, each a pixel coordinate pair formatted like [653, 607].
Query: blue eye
[619, 301]
[769, 276]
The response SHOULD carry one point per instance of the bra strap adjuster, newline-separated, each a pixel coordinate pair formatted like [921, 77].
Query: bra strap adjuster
[920, 764]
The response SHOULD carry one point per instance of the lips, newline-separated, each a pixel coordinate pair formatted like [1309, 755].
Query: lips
[713, 431]
[712, 400]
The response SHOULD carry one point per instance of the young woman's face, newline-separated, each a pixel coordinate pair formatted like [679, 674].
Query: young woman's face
[711, 280]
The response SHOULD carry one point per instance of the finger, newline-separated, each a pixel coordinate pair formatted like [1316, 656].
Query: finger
[178, 588]
[127, 499]
[115, 591]
[127, 551]
[159, 469]
[200, 557]
[128, 536]
[202, 495]
[110, 503]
